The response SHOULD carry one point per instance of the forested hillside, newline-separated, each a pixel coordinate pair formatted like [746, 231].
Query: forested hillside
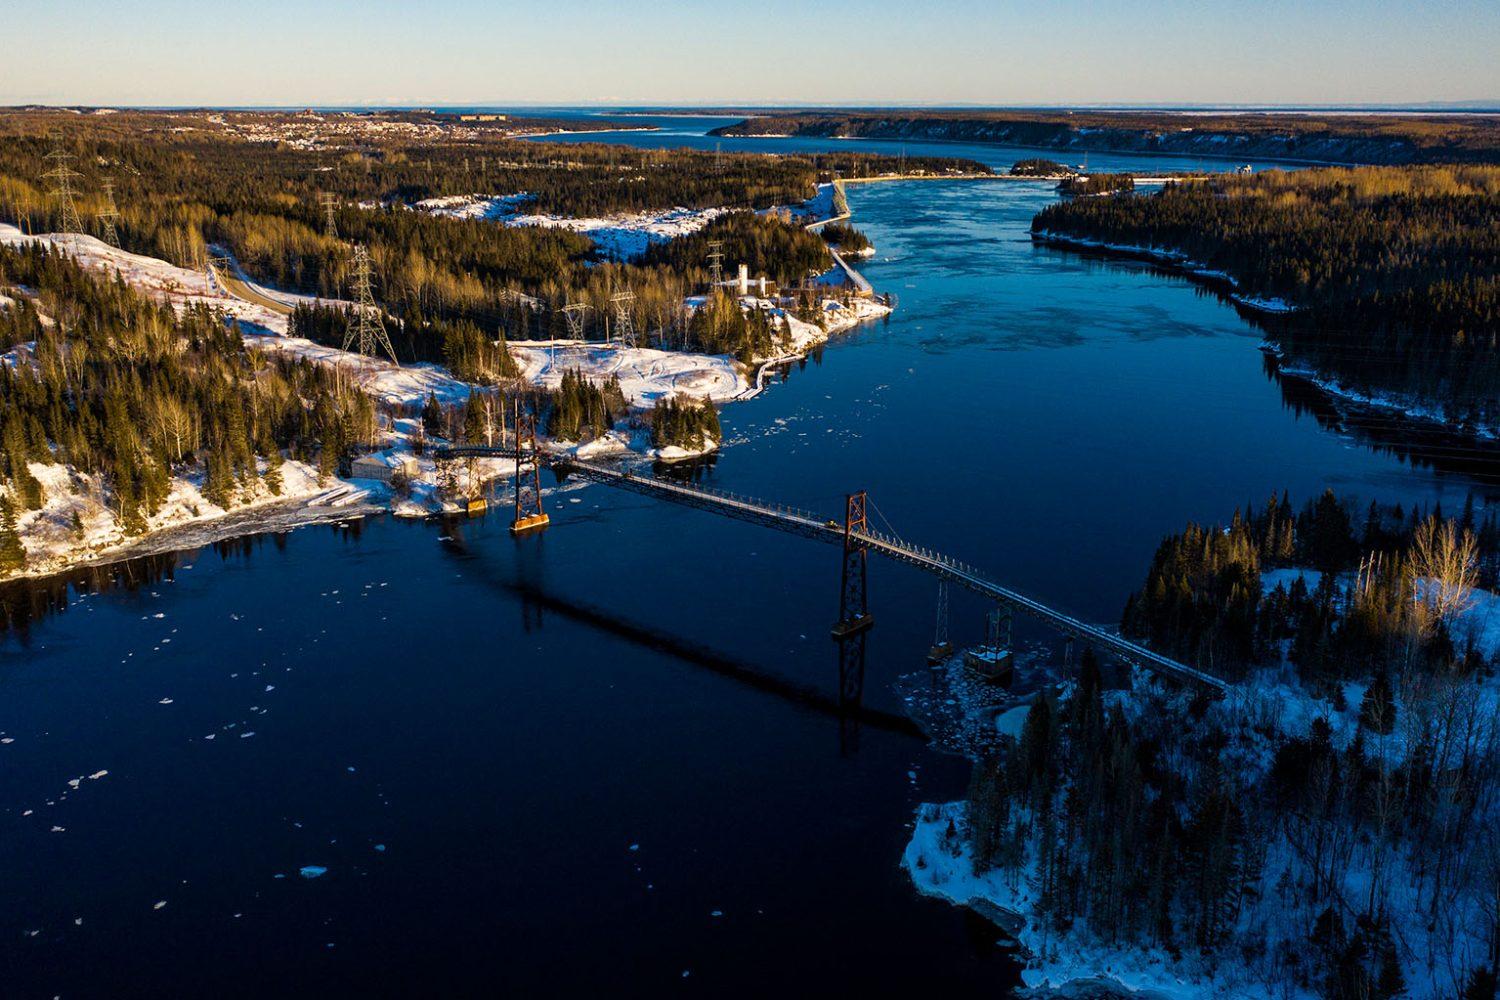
[183, 185]
[1393, 274]
[1333, 138]
[1331, 828]
[116, 398]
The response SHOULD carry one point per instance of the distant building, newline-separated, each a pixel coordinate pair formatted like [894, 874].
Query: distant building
[384, 466]
[482, 118]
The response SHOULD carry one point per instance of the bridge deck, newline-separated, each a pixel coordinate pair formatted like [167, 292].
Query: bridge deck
[809, 525]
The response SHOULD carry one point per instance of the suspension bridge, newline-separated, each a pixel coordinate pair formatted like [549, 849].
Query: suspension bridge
[853, 534]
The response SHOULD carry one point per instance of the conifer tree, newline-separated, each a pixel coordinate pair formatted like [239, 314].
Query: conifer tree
[12, 552]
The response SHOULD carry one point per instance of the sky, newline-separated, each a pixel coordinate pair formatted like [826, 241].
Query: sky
[685, 52]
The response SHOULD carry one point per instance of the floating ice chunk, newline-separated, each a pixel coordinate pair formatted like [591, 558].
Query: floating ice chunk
[270, 688]
[312, 871]
[635, 847]
[58, 829]
[380, 847]
[97, 775]
[158, 615]
[717, 913]
[246, 736]
[159, 904]
[165, 701]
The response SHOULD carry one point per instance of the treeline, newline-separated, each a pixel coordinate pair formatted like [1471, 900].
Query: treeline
[1084, 185]
[1395, 271]
[720, 326]
[471, 353]
[845, 237]
[684, 423]
[1386, 591]
[1331, 138]
[1037, 167]
[124, 388]
[582, 409]
[180, 193]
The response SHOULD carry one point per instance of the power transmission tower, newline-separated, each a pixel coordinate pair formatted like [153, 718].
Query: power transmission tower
[715, 263]
[624, 326]
[110, 215]
[330, 208]
[62, 177]
[573, 314]
[366, 332]
[216, 268]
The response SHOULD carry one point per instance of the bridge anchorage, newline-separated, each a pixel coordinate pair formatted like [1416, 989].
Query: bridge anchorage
[529, 512]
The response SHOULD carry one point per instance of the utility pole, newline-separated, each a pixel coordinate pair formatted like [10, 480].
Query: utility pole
[110, 215]
[330, 208]
[62, 177]
[366, 332]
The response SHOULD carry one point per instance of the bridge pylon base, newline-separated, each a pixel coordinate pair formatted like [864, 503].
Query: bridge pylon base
[525, 524]
[939, 653]
[852, 626]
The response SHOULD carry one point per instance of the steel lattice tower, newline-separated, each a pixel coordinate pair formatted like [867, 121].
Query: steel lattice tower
[330, 209]
[62, 177]
[573, 314]
[529, 512]
[110, 215]
[366, 329]
[715, 263]
[624, 325]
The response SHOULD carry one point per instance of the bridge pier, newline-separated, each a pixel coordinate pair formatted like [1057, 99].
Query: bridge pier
[529, 512]
[854, 608]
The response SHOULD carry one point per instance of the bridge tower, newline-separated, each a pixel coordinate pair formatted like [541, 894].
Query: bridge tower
[529, 513]
[854, 608]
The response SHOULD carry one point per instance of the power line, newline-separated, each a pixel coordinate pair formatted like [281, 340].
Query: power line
[110, 215]
[62, 177]
[366, 332]
[624, 325]
[330, 210]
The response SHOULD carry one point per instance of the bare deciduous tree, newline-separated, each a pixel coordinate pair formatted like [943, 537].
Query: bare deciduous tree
[1445, 561]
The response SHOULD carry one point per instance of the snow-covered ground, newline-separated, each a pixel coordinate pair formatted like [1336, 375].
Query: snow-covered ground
[622, 236]
[646, 375]
[1256, 713]
[77, 523]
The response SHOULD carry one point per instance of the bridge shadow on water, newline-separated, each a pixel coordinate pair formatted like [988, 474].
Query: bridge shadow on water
[845, 703]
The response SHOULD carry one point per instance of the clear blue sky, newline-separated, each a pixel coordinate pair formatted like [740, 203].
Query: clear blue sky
[295, 52]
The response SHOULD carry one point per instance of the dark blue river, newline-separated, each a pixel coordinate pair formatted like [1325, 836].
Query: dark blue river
[604, 758]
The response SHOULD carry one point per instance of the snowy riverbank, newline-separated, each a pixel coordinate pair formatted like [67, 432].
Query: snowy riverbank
[1391, 403]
